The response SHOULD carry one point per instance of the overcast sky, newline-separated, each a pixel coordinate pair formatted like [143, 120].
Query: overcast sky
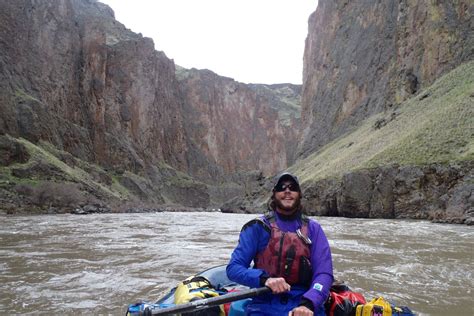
[252, 41]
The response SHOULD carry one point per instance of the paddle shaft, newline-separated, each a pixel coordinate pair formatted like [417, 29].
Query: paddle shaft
[208, 302]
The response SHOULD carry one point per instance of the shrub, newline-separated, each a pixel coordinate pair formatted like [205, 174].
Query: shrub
[52, 194]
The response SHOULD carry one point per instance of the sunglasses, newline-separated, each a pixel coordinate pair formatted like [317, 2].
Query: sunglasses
[280, 187]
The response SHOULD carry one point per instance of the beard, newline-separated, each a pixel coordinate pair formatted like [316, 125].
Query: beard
[288, 209]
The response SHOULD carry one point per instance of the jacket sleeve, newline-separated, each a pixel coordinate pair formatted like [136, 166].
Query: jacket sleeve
[321, 261]
[252, 239]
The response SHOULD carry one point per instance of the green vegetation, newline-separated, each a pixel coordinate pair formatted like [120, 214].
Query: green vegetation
[55, 178]
[437, 125]
[182, 180]
[46, 154]
[122, 191]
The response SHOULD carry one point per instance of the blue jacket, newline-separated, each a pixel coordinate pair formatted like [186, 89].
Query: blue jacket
[254, 238]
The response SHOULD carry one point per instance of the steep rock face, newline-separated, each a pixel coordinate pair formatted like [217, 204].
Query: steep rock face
[68, 79]
[234, 126]
[75, 77]
[286, 100]
[363, 57]
[78, 78]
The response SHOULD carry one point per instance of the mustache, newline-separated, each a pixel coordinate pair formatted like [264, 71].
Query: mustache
[274, 203]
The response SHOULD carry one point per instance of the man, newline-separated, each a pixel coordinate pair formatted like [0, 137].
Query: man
[291, 256]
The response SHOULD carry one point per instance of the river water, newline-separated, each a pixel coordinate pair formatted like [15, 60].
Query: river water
[98, 264]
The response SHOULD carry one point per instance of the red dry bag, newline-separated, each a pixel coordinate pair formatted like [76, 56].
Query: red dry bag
[342, 301]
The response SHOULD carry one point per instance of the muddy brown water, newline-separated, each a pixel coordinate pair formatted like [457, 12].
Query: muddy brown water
[98, 264]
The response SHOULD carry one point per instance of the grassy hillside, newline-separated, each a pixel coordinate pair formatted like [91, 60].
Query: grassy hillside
[436, 125]
[53, 178]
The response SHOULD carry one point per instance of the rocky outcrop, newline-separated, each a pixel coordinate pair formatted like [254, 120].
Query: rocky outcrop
[437, 192]
[364, 57]
[442, 193]
[415, 164]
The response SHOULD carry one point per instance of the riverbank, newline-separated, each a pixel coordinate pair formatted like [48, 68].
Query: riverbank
[41, 180]
[91, 209]
[99, 208]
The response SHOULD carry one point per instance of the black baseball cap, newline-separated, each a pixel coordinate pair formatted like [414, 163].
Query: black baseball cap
[286, 176]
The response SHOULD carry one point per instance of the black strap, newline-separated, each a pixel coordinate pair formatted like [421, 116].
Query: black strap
[258, 221]
[290, 257]
[270, 216]
[197, 278]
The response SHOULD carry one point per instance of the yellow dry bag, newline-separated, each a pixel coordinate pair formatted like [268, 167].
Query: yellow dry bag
[376, 307]
[193, 288]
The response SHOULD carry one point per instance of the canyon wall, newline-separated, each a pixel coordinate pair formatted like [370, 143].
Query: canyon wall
[236, 126]
[365, 57]
[74, 77]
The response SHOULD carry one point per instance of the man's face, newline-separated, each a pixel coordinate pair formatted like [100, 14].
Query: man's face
[287, 200]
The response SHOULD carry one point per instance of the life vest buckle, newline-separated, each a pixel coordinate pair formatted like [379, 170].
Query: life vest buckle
[304, 238]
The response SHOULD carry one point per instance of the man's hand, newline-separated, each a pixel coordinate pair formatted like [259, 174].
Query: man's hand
[277, 285]
[301, 311]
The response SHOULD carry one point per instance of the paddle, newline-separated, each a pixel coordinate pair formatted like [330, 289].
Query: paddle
[208, 302]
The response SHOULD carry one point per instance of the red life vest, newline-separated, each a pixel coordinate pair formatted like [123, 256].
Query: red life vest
[287, 254]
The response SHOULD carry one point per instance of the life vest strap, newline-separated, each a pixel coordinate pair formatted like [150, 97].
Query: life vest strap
[258, 221]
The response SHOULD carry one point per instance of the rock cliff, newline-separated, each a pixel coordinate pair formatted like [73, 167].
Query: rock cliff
[236, 126]
[73, 77]
[439, 192]
[366, 57]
